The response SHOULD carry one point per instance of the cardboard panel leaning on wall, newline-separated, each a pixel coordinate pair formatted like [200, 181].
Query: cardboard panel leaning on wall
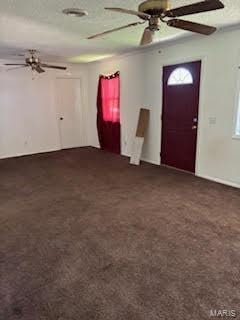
[138, 141]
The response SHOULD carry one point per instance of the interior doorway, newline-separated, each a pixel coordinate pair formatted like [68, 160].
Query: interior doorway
[68, 112]
[181, 87]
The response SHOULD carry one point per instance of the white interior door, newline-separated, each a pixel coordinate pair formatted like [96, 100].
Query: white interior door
[69, 115]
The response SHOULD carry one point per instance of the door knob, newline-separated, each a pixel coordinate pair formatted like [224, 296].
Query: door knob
[61, 118]
[194, 127]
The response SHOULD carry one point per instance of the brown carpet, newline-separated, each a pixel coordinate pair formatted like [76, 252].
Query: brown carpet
[86, 236]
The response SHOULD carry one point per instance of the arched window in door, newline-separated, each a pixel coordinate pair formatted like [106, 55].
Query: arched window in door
[180, 76]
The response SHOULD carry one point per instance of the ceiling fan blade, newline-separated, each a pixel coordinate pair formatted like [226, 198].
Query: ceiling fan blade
[147, 37]
[19, 67]
[39, 69]
[15, 64]
[191, 26]
[203, 6]
[116, 29]
[53, 67]
[133, 12]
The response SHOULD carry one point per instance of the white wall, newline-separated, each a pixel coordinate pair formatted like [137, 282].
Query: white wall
[218, 156]
[28, 121]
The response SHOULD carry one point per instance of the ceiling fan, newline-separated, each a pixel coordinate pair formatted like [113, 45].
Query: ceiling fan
[155, 12]
[34, 63]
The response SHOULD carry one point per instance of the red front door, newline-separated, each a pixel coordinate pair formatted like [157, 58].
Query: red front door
[181, 84]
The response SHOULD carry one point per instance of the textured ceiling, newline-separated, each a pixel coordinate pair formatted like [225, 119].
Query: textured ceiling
[40, 24]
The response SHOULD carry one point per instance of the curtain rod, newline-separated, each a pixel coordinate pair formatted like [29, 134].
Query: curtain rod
[112, 76]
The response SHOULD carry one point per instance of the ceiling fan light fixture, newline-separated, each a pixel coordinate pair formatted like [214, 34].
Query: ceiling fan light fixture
[147, 38]
[75, 12]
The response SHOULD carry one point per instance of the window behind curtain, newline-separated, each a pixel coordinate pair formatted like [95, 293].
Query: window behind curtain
[110, 87]
[108, 116]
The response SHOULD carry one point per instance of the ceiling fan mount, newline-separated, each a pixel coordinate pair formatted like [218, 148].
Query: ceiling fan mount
[154, 7]
[155, 12]
[32, 51]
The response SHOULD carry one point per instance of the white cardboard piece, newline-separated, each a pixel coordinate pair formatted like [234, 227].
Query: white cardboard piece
[137, 150]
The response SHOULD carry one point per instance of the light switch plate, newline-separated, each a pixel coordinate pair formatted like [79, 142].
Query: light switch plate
[212, 120]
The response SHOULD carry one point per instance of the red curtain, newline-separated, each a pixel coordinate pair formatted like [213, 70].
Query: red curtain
[108, 117]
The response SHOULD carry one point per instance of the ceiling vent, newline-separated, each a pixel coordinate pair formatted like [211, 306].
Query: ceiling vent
[74, 12]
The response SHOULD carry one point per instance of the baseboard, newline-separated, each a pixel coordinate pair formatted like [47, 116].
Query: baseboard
[18, 155]
[221, 181]
[156, 163]
[142, 159]
[228, 183]
[25, 154]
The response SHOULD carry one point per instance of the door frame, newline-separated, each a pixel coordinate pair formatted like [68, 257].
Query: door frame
[202, 84]
[81, 117]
